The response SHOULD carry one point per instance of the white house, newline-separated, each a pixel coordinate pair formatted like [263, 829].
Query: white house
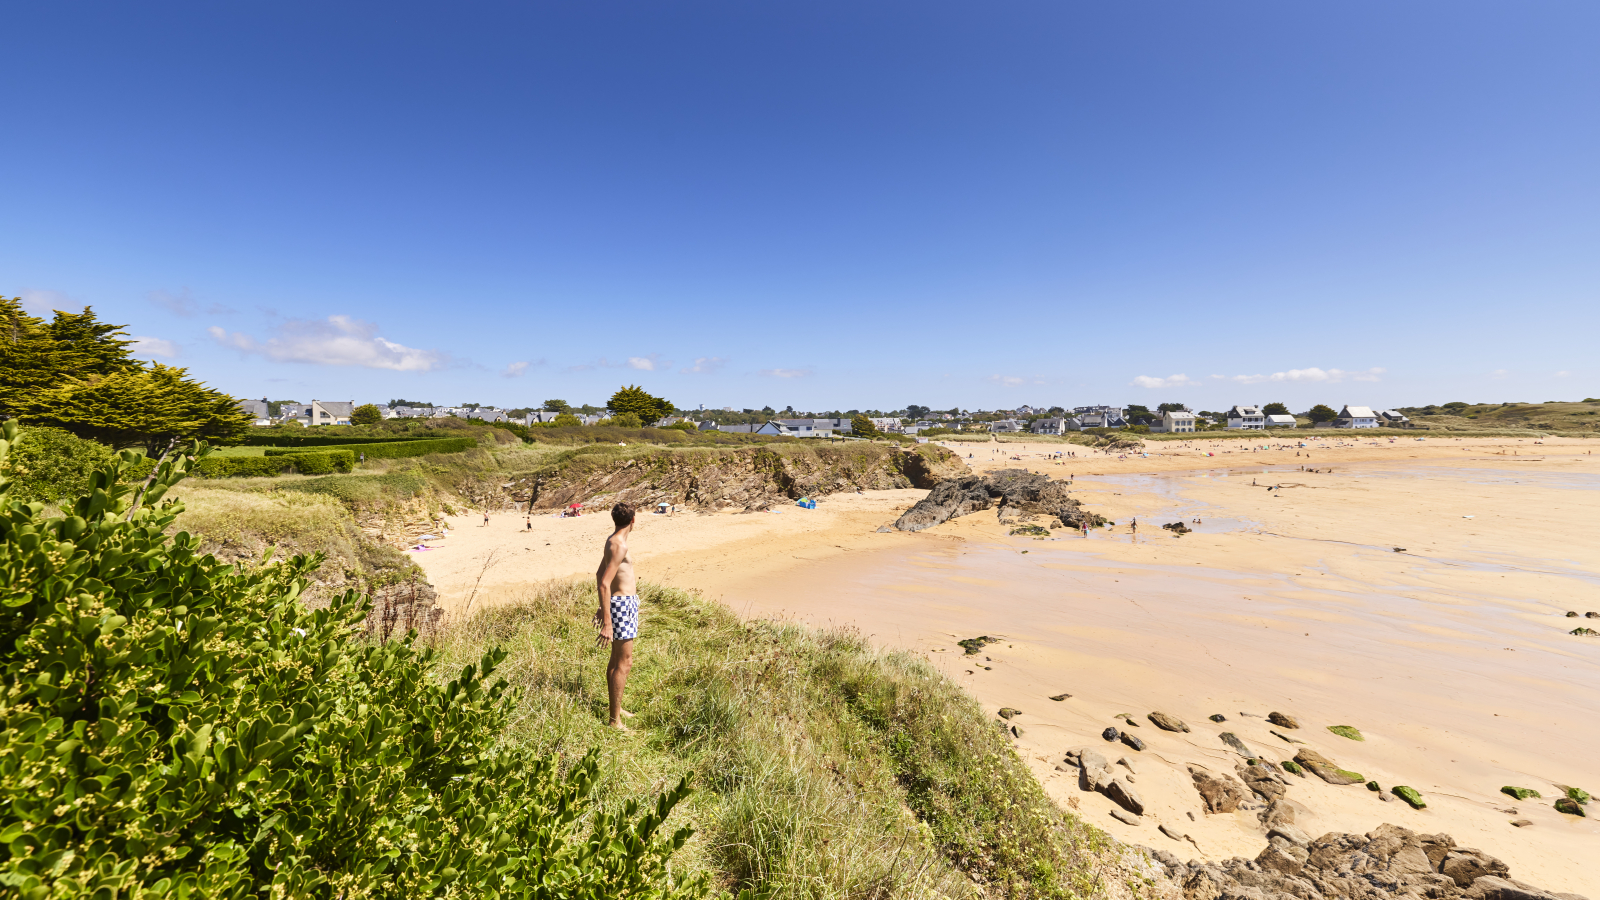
[1101, 416]
[887, 423]
[318, 412]
[1174, 422]
[1055, 425]
[1275, 421]
[1394, 417]
[1005, 426]
[1356, 417]
[1245, 418]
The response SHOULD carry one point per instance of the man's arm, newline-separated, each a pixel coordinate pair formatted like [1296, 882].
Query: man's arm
[604, 577]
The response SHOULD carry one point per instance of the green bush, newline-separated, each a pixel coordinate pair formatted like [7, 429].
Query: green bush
[313, 439]
[321, 462]
[179, 727]
[390, 449]
[48, 464]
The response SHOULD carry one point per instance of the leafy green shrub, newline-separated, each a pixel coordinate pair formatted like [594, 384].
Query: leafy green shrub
[314, 439]
[48, 464]
[176, 726]
[390, 449]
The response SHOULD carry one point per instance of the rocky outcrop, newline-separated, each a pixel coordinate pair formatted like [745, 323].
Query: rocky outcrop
[1220, 793]
[1013, 492]
[1096, 774]
[1166, 722]
[752, 478]
[1387, 862]
[1324, 768]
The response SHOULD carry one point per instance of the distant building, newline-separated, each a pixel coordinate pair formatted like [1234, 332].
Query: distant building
[1275, 421]
[1394, 418]
[488, 414]
[1101, 416]
[318, 412]
[887, 423]
[1174, 422]
[257, 410]
[1246, 418]
[1005, 426]
[1055, 425]
[1356, 417]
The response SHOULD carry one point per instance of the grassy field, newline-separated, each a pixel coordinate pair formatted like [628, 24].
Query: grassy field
[825, 769]
[1566, 418]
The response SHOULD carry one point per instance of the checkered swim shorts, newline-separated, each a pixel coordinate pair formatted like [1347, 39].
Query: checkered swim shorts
[624, 617]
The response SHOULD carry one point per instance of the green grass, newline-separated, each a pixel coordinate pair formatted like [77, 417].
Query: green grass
[826, 769]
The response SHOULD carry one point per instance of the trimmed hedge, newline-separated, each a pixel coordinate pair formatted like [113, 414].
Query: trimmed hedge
[389, 450]
[319, 440]
[316, 463]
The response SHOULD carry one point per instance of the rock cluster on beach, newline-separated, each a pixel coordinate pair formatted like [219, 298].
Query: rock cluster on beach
[1016, 492]
[1387, 862]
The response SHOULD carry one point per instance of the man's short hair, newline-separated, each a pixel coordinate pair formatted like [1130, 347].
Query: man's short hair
[622, 514]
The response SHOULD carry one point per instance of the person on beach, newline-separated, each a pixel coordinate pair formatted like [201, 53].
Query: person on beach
[486, 518]
[618, 616]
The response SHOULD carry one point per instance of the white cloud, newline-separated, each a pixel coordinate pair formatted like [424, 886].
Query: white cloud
[45, 303]
[705, 364]
[1147, 381]
[651, 363]
[1312, 375]
[1563, 374]
[152, 346]
[786, 373]
[1006, 380]
[334, 341]
[1499, 373]
[514, 370]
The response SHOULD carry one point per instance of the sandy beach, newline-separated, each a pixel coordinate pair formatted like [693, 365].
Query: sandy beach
[1415, 590]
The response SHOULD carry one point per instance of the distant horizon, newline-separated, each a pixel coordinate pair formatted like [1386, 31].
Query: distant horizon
[1375, 203]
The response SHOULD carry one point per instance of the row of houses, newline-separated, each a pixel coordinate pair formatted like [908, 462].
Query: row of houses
[1238, 418]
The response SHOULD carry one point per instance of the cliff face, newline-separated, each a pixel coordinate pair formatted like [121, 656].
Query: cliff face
[749, 478]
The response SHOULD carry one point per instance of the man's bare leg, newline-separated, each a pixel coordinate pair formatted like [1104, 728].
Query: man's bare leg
[617, 679]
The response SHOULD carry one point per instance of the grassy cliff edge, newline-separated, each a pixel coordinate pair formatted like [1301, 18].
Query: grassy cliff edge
[825, 768]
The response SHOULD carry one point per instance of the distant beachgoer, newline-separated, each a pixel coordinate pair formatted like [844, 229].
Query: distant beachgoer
[486, 518]
[617, 619]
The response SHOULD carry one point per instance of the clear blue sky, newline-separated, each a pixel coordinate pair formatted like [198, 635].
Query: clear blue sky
[829, 205]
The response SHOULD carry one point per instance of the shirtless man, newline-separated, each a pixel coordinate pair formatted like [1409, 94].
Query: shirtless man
[618, 615]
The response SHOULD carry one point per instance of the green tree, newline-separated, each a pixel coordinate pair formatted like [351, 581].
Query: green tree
[140, 407]
[1172, 407]
[861, 426]
[38, 356]
[634, 399]
[557, 406]
[566, 420]
[1321, 413]
[179, 725]
[366, 414]
[626, 420]
[1275, 409]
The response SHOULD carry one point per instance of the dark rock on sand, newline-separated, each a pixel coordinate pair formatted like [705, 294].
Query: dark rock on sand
[1263, 780]
[1132, 741]
[1282, 721]
[1346, 731]
[1221, 793]
[1007, 712]
[1218, 717]
[1591, 615]
[1285, 738]
[1521, 823]
[1059, 697]
[1014, 491]
[1232, 740]
[1570, 806]
[1325, 768]
[1111, 734]
[1410, 795]
[1388, 861]
[1122, 794]
[1166, 722]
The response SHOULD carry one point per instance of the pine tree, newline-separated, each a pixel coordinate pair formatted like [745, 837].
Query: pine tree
[150, 408]
[634, 399]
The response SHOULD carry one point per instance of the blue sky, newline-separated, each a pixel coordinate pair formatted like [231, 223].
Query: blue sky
[826, 205]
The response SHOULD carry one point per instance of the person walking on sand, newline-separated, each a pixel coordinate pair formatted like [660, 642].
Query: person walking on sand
[486, 518]
[618, 616]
